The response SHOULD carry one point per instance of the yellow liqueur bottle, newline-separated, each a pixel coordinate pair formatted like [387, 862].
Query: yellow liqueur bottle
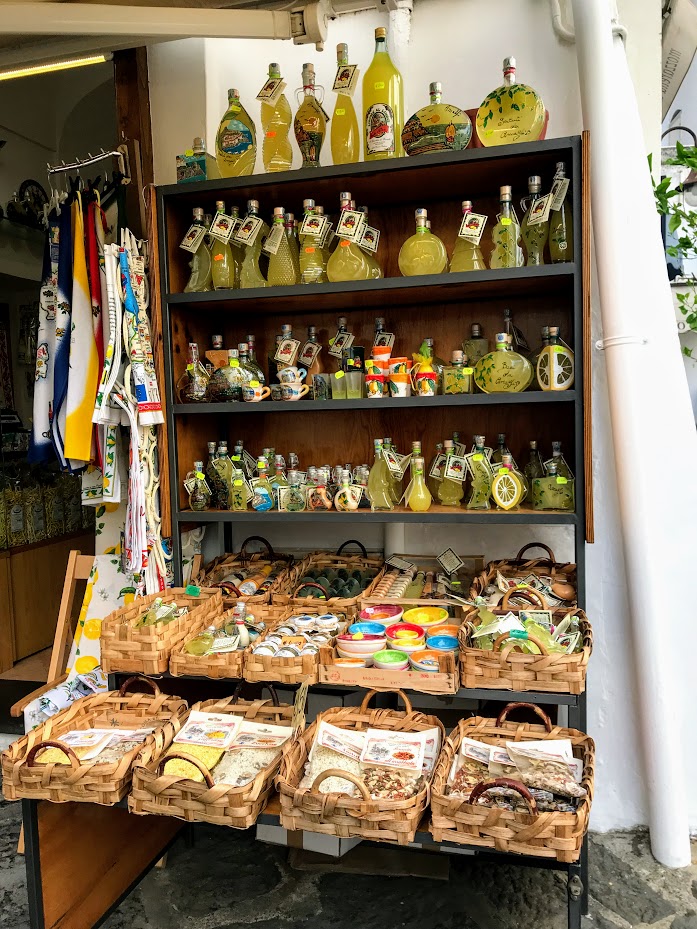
[250, 272]
[310, 122]
[555, 364]
[379, 482]
[503, 370]
[291, 227]
[383, 104]
[225, 271]
[418, 496]
[282, 270]
[438, 127]
[505, 236]
[375, 269]
[236, 142]
[534, 236]
[348, 261]
[561, 229]
[467, 255]
[313, 265]
[511, 113]
[450, 492]
[276, 120]
[423, 252]
[344, 135]
[201, 277]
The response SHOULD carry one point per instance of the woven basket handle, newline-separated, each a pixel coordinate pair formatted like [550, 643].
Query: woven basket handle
[528, 706]
[506, 636]
[483, 786]
[346, 775]
[197, 763]
[527, 593]
[271, 689]
[364, 550]
[400, 693]
[230, 588]
[546, 548]
[50, 743]
[257, 538]
[318, 586]
[139, 678]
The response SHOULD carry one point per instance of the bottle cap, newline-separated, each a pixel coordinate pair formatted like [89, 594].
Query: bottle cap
[293, 477]
[381, 32]
[290, 218]
[233, 92]
[232, 353]
[448, 443]
[220, 205]
[312, 331]
[429, 342]
[234, 212]
[278, 211]
[319, 210]
[387, 440]
[476, 330]
[345, 195]
[211, 446]
[342, 50]
[466, 206]
[553, 331]
[533, 445]
[507, 459]
[561, 168]
[421, 213]
[377, 443]
[199, 147]
[505, 192]
[198, 465]
[274, 69]
[379, 322]
[457, 356]
[252, 205]
[243, 347]
[217, 341]
[198, 212]
[551, 469]
[479, 440]
[308, 204]
[435, 88]
[534, 184]
[545, 332]
[251, 340]
[286, 328]
[416, 446]
[508, 64]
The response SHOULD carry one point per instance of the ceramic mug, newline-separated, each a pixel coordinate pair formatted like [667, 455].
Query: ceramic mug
[426, 384]
[399, 366]
[374, 385]
[253, 393]
[276, 392]
[294, 391]
[291, 374]
[381, 353]
[399, 385]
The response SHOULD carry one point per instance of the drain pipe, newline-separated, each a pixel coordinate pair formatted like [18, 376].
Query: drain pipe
[639, 333]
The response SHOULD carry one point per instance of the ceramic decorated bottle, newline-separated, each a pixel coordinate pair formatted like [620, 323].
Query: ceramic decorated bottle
[511, 113]
[344, 134]
[503, 370]
[509, 486]
[438, 127]
[383, 104]
[310, 122]
[276, 119]
[235, 143]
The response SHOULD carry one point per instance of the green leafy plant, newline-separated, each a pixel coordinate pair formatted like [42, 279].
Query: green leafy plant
[666, 194]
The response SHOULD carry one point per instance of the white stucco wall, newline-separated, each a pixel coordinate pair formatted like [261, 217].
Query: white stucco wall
[454, 42]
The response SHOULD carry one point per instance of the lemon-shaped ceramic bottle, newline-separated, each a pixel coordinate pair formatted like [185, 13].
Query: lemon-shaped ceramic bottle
[236, 141]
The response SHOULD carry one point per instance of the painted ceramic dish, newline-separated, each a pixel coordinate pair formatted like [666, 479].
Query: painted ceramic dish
[360, 644]
[426, 616]
[385, 613]
[442, 630]
[443, 643]
[391, 660]
[424, 660]
[408, 633]
[344, 662]
[368, 628]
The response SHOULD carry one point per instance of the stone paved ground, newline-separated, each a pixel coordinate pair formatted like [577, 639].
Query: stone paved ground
[229, 881]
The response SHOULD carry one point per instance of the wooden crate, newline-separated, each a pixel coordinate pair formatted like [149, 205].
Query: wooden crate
[444, 681]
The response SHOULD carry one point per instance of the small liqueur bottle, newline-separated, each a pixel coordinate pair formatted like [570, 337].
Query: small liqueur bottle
[201, 277]
[511, 113]
[558, 459]
[262, 499]
[561, 229]
[282, 271]
[250, 272]
[534, 358]
[533, 469]
[348, 262]
[223, 469]
[238, 494]
[432, 479]
[290, 226]
[423, 252]
[193, 384]
[295, 499]
[450, 492]
[201, 644]
[276, 119]
[467, 255]
[480, 470]
[500, 450]
[310, 122]
[505, 236]
[438, 127]
[476, 346]
[252, 362]
[415, 453]
[236, 142]
[457, 376]
[555, 364]
[383, 104]
[227, 382]
[534, 237]
[509, 486]
[418, 496]
[279, 479]
[317, 496]
[553, 492]
[375, 269]
[344, 134]
[199, 492]
[379, 483]
[345, 500]
[503, 370]
[313, 265]
[395, 480]
[225, 272]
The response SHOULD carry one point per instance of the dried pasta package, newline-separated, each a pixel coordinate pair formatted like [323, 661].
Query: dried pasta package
[545, 771]
[500, 763]
[240, 766]
[3, 520]
[470, 766]
[34, 515]
[53, 508]
[391, 784]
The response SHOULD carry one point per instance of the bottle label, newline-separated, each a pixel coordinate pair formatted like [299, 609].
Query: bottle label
[437, 466]
[472, 227]
[248, 230]
[309, 353]
[449, 561]
[351, 224]
[193, 238]
[379, 127]
[370, 238]
[309, 134]
[539, 211]
[223, 226]
[273, 240]
[287, 351]
[313, 225]
[558, 192]
[235, 138]
[271, 91]
[455, 468]
[346, 81]
[340, 343]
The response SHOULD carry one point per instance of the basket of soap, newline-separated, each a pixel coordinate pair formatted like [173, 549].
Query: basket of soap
[139, 638]
[358, 772]
[555, 581]
[339, 581]
[251, 576]
[85, 753]
[514, 787]
[219, 767]
[508, 647]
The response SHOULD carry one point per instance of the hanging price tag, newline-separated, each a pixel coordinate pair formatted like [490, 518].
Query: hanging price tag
[351, 225]
[558, 192]
[272, 90]
[309, 353]
[327, 234]
[455, 468]
[248, 231]
[394, 461]
[286, 351]
[539, 211]
[339, 344]
[193, 238]
[273, 240]
[222, 227]
[346, 80]
[472, 227]
[370, 237]
[313, 225]
[384, 340]
[248, 462]
[449, 561]
[401, 564]
[437, 466]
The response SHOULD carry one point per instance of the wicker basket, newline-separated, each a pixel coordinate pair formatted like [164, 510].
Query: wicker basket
[338, 814]
[560, 572]
[220, 804]
[227, 664]
[146, 650]
[87, 781]
[544, 835]
[505, 667]
[351, 605]
[212, 574]
[473, 566]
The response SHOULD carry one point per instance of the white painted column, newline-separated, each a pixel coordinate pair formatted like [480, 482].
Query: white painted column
[650, 409]
[395, 539]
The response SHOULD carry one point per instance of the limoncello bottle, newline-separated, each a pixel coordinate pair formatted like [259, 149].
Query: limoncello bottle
[348, 262]
[450, 492]
[467, 255]
[319, 210]
[503, 370]
[511, 113]
[250, 272]
[423, 252]
[383, 104]
[281, 269]
[310, 123]
[344, 135]
[534, 237]
[236, 141]
[561, 228]
[505, 236]
[559, 461]
[438, 127]
[476, 346]
[379, 482]
[224, 269]
[418, 497]
[533, 469]
[276, 119]
[201, 277]
[555, 491]
[313, 266]
[433, 480]
[508, 486]
[201, 644]
[482, 475]
[375, 269]
[290, 226]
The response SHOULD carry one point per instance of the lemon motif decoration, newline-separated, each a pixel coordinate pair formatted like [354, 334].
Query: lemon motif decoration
[86, 663]
[507, 489]
[92, 629]
[555, 365]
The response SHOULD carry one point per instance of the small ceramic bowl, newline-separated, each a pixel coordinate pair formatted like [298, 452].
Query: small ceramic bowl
[426, 616]
[385, 613]
[443, 643]
[405, 645]
[424, 660]
[391, 660]
[368, 628]
[343, 662]
[442, 630]
[366, 645]
[404, 633]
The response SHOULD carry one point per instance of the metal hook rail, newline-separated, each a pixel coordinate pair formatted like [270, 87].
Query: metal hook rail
[121, 152]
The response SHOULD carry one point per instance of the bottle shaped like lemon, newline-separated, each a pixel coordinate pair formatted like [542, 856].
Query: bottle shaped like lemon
[225, 270]
[276, 119]
[375, 269]
[313, 265]
[418, 496]
[200, 278]
[344, 135]
[282, 270]
[423, 252]
[511, 113]
[348, 262]
[535, 236]
[250, 272]
[505, 236]
[290, 225]
[467, 256]
[236, 141]
[310, 123]
[383, 104]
